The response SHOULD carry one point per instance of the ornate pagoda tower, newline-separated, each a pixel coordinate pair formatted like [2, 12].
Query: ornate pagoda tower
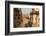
[17, 17]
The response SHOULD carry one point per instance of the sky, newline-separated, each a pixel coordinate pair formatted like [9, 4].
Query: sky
[26, 11]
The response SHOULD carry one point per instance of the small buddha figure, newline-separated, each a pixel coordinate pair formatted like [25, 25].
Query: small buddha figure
[35, 17]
